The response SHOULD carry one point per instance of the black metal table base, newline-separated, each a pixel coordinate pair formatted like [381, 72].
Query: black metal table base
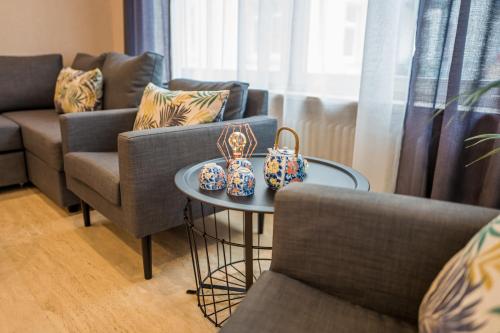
[223, 259]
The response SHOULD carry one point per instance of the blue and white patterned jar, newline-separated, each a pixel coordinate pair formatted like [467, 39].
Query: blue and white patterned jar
[239, 163]
[241, 183]
[212, 177]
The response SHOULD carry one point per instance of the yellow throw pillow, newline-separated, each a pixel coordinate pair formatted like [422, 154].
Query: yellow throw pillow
[163, 108]
[465, 296]
[78, 91]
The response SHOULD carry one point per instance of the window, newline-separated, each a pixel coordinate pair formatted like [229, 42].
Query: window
[336, 33]
[308, 46]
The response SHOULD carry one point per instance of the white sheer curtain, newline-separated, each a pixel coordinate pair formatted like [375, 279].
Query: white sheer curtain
[388, 50]
[307, 53]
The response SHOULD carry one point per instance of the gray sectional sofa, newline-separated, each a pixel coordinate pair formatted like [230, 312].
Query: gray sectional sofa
[94, 158]
[30, 135]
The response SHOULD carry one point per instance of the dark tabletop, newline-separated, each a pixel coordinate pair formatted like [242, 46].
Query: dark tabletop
[319, 172]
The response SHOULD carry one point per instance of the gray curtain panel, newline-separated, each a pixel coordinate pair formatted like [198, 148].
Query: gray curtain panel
[147, 28]
[457, 50]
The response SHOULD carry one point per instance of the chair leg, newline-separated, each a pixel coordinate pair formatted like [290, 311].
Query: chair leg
[86, 213]
[260, 229]
[147, 261]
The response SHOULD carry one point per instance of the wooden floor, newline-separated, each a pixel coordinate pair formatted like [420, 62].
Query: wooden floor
[57, 276]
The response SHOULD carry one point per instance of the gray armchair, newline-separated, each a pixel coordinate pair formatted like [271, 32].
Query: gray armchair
[351, 261]
[129, 176]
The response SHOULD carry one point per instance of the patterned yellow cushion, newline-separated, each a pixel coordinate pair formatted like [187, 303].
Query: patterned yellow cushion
[163, 108]
[78, 91]
[465, 296]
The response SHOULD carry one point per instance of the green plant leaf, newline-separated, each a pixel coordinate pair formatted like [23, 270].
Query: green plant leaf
[470, 98]
[486, 137]
[490, 153]
[441, 110]
[482, 136]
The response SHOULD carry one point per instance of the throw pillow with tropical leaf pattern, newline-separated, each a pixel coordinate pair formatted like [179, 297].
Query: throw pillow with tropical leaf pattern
[78, 91]
[465, 296]
[163, 108]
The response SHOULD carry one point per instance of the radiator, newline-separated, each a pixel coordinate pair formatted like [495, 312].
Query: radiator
[325, 127]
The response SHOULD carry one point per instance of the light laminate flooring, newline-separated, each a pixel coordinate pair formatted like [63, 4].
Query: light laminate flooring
[57, 276]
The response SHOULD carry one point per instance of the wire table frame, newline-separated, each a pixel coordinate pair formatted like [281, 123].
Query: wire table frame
[222, 258]
[227, 256]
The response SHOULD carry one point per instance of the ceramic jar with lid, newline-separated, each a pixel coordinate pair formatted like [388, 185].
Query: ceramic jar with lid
[241, 182]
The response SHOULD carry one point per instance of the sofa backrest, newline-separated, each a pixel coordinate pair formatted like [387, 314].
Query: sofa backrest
[238, 95]
[125, 78]
[28, 82]
[257, 103]
[87, 62]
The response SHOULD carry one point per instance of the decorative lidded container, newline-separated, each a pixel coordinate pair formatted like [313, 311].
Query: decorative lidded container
[212, 177]
[241, 183]
[237, 143]
[239, 163]
[282, 165]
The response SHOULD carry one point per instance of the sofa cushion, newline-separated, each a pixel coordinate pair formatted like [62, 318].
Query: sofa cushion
[466, 293]
[277, 303]
[125, 78]
[163, 108]
[78, 91]
[236, 103]
[99, 171]
[28, 83]
[10, 135]
[87, 62]
[41, 134]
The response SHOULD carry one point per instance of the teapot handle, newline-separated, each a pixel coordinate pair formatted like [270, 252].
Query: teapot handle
[296, 136]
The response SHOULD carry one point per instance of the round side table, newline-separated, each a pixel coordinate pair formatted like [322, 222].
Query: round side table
[222, 277]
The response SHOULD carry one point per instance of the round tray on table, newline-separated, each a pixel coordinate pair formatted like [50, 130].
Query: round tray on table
[319, 172]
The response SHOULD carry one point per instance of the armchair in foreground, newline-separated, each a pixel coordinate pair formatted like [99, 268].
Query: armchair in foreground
[352, 261]
[129, 176]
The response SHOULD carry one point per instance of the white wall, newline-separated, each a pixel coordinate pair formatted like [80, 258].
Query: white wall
[29, 27]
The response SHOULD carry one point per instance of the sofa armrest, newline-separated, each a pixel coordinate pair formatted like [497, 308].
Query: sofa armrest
[150, 159]
[380, 251]
[95, 131]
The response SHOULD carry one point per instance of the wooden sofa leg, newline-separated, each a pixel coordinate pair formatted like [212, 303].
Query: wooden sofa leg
[147, 261]
[86, 213]
[260, 225]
